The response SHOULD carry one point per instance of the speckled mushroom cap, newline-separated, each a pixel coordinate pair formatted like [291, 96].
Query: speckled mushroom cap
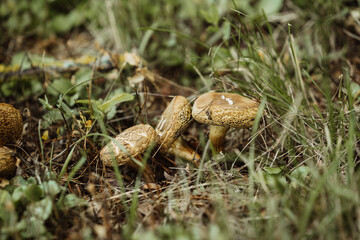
[7, 162]
[225, 109]
[135, 140]
[173, 121]
[11, 124]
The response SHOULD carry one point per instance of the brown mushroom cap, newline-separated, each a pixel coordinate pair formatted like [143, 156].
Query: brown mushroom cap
[173, 121]
[11, 124]
[7, 162]
[225, 109]
[135, 140]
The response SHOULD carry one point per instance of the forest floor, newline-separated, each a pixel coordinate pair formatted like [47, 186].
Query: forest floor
[293, 175]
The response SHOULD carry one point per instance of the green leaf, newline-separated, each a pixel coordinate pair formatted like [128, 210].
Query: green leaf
[298, 176]
[34, 228]
[122, 97]
[70, 201]
[211, 15]
[63, 23]
[273, 170]
[59, 86]
[212, 29]
[18, 194]
[7, 209]
[4, 197]
[355, 88]
[41, 210]
[226, 30]
[86, 101]
[51, 187]
[33, 192]
[31, 180]
[19, 59]
[300, 173]
[270, 6]
[45, 103]
[274, 178]
[83, 75]
[65, 108]
[51, 117]
[14, 183]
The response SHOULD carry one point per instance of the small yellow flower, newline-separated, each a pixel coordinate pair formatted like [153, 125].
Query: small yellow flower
[88, 124]
[45, 135]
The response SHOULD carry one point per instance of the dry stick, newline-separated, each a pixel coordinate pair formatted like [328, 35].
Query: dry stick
[145, 101]
[69, 133]
[43, 72]
[90, 87]
[89, 95]
[139, 116]
[152, 80]
[174, 83]
[38, 70]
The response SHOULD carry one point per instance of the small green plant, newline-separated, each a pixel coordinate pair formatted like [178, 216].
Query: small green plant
[26, 206]
[41, 17]
[295, 175]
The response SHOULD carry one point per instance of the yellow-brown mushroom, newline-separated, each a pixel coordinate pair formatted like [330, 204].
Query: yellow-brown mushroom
[135, 140]
[7, 163]
[173, 122]
[224, 110]
[11, 124]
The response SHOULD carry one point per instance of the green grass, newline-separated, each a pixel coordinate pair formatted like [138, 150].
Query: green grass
[294, 175]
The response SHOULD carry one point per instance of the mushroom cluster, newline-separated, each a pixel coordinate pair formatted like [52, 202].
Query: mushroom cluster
[218, 109]
[11, 126]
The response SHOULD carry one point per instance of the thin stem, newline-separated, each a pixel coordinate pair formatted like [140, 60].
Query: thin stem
[217, 137]
[148, 174]
[182, 150]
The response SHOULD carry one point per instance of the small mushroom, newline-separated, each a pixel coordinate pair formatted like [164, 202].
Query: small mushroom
[222, 111]
[135, 141]
[173, 122]
[7, 163]
[11, 124]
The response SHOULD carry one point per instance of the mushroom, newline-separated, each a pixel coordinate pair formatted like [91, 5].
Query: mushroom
[11, 124]
[224, 110]
[7, 163]
[173, 122]
[135, 140]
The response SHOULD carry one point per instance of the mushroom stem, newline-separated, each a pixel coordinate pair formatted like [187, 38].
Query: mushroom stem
[181, 149]
[148, 174]
[217, 136]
